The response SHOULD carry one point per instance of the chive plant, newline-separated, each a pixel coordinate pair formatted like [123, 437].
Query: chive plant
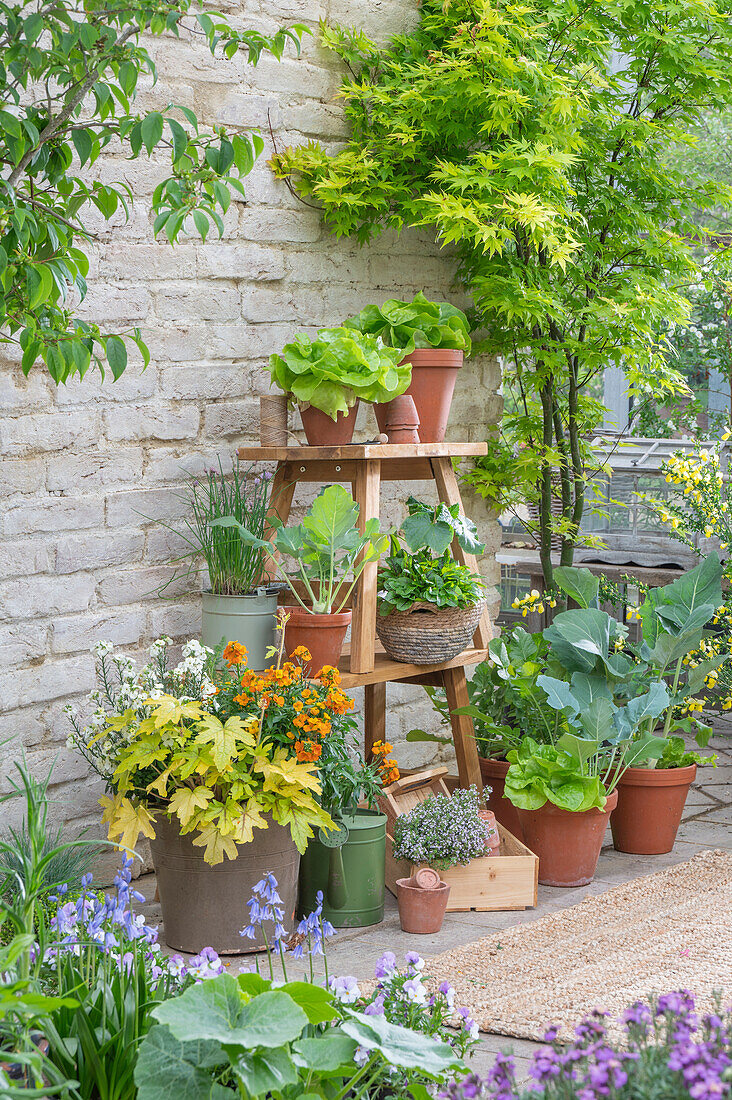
[234, 567]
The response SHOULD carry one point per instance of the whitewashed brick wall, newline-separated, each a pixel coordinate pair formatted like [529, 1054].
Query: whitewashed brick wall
[88, 468]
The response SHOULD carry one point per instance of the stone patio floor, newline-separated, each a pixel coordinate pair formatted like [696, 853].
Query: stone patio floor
[707, 824]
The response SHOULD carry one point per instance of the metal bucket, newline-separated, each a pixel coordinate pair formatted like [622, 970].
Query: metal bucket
[246, 619]
[351, 875]
[205, 906]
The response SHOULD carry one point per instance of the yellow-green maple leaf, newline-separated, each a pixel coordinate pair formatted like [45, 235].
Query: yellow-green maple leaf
[127, 821]
[222, 739]
[186, 800]
[285, 768]
[166, 708]
[216, 845]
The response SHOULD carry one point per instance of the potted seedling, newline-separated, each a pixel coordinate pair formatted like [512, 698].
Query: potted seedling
[331, 555]
[328, 375]
[429, 605]
[433, 338]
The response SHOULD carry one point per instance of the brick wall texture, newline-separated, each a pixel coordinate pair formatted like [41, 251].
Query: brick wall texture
[89, 469]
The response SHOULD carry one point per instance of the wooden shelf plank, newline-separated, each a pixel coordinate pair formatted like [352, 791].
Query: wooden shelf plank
[384, 451]
[385, 669]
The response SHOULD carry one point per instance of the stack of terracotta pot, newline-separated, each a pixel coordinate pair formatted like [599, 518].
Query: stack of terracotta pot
[422, 901]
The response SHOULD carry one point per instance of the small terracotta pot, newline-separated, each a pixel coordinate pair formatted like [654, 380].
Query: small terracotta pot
[650, 804]
[567, 843]
[421, 912]
[493, 774]
[323, 635]
[321, 431]
[402, 422]
[492, 839]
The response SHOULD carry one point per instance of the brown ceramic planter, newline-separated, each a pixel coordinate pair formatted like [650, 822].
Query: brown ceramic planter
[434, 373]
[205, 906]
[402, 422]
[323, 635]
[650, 804]
[567, 843]
[321, 431]
[493, 774]
[421, 912]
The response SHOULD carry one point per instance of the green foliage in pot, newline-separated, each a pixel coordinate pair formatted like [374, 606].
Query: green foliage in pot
[676, 755]
[416, 324]
[674, 623]
[426, 571]
[346, 780]
[337, 368]
[330, 552]
[68, 86]
[247, 1036]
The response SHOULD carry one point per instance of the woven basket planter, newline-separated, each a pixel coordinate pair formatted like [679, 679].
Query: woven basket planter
[426, 634]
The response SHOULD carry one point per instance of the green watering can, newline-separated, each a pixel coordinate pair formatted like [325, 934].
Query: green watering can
[348, 865]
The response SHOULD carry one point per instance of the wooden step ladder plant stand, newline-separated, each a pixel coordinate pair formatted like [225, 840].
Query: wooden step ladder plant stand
[365, 466]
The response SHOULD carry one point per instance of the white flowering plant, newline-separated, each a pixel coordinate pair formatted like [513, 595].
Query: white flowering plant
[442, 831]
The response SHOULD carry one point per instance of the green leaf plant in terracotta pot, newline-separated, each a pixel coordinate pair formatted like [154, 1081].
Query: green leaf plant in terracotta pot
[675, 621]
[433, 338]
[331, 555]
[429, 605]
[328, 375]
[348, 863]
[241, 602]
[205, 761]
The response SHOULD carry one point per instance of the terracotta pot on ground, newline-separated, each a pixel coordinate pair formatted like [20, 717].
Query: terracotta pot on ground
[321, 431]
[205, 906]
[421, 911]
[567, 843]
[323, 635]
[493, 774]
[650, 804]
[434, 373]
[402, 422]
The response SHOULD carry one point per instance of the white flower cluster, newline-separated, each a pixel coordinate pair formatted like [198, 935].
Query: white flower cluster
[124, 688]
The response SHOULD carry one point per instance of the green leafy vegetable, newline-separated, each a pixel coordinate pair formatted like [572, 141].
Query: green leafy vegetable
[416, 324]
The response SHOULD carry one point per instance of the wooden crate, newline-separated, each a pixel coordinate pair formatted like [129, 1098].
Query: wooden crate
[504, 881]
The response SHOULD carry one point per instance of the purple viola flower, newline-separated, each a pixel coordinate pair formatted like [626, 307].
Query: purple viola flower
[345, 989]
[386, 966]
[414, 961]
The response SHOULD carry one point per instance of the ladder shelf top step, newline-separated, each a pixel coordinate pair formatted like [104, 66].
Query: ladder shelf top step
[383, 451]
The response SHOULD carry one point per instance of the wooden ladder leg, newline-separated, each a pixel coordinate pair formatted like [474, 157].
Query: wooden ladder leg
[448, 491]
[280, 503]
[466, 751]
[367, 487]
[374, 716]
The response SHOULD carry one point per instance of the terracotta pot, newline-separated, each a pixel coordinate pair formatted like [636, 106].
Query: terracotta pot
[434, 373]
[650, 804]
[402, 422]
[421, 911]
[206, 906]
[492, 839]
[493, 774]
[567, 843]
[323, 635]
[321, 431]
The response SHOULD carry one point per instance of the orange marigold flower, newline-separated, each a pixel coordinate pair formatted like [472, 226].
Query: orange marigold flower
[279, 700]
[381, 748]
[241, 699]
[297, 706]
[302, 653]
[235, 653]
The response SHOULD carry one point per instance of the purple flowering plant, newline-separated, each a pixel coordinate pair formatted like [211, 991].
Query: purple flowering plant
[441, 831]
[667, 1052]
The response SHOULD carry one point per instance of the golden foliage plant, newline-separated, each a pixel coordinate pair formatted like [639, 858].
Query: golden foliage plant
[218, 780]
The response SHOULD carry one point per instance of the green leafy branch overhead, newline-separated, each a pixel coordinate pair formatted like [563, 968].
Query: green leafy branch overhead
[69, 76]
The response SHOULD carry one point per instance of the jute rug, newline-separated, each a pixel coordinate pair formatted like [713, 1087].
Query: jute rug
[666, 931]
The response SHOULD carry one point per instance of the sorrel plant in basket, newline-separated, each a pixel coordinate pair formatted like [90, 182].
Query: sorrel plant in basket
[429, 605]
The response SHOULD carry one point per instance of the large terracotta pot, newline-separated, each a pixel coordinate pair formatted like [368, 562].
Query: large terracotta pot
[205, 906]
[434, 373]
[650, 804]
[321, 431]
[493, 774]
[323, 635]
[567, 843]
